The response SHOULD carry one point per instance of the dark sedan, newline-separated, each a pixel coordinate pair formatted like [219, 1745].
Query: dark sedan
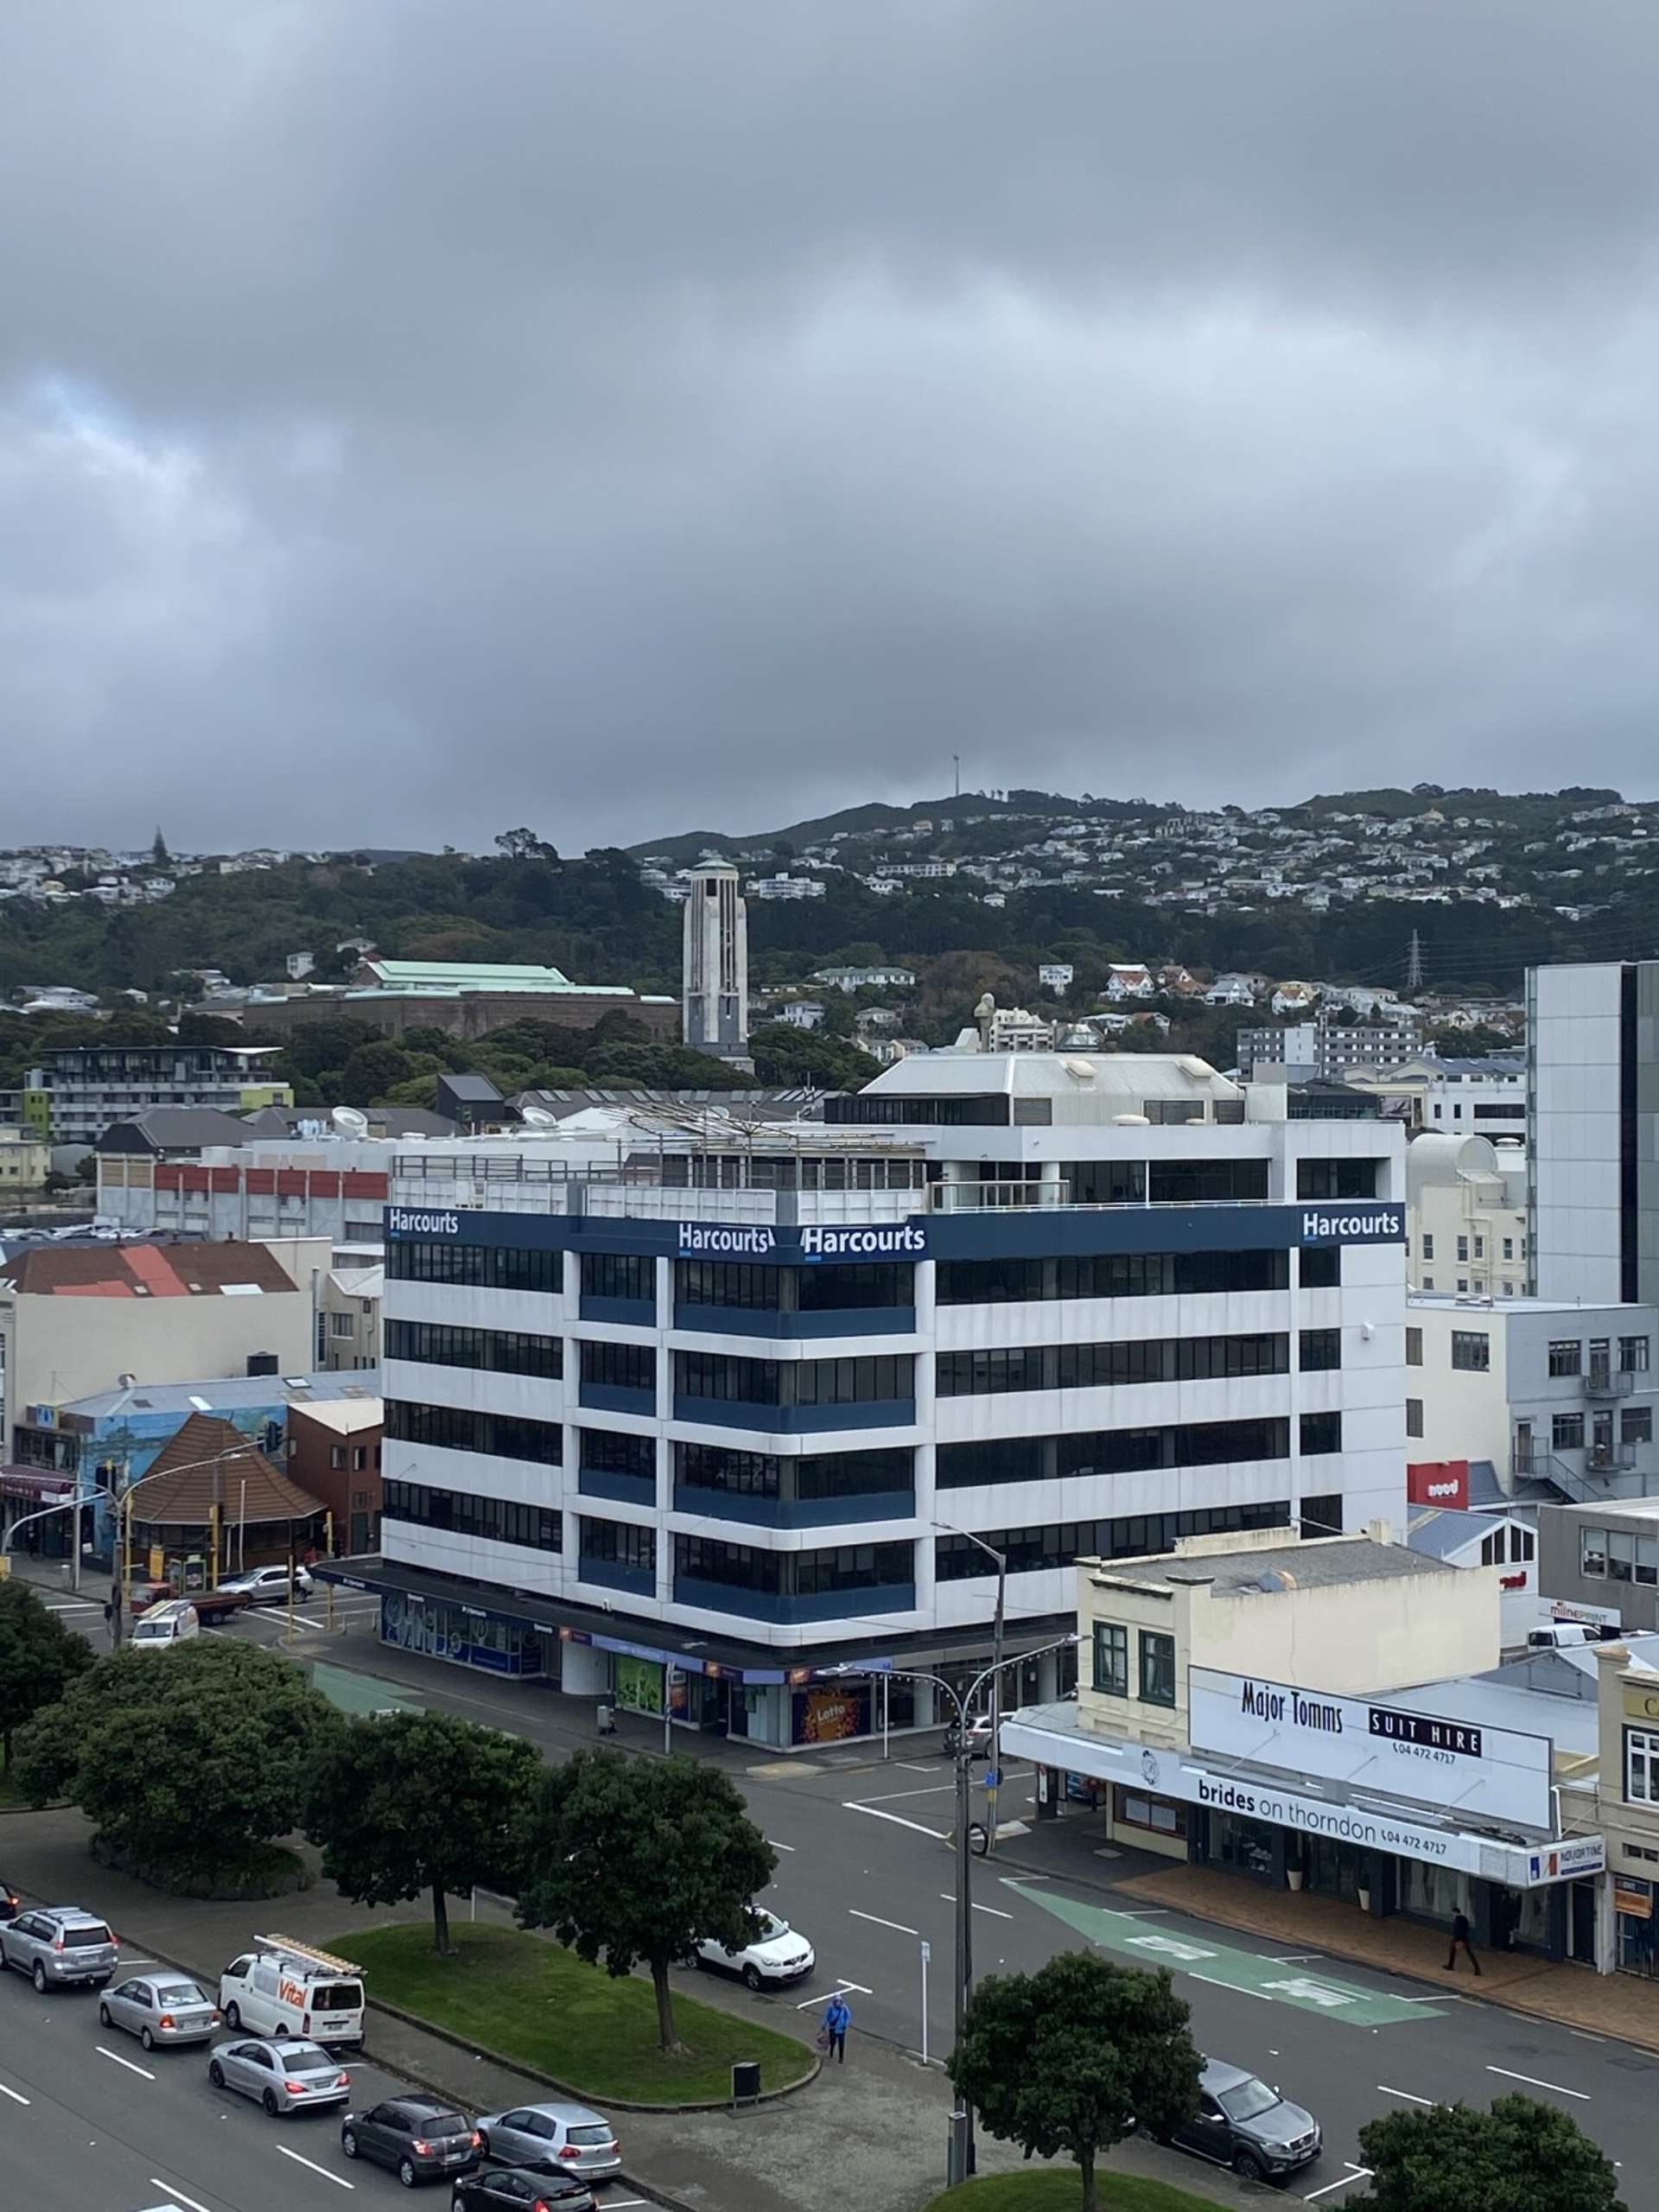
[510, 2189]
[420, 2138]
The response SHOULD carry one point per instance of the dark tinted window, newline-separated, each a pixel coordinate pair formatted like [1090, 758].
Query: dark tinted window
[620, 1366]
[465, 1513]
[619, 1275]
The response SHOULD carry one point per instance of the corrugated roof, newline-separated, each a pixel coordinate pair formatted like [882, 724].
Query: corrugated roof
[1305, 1564]
[229, 1393]
[211, 1463]
[182, 1270]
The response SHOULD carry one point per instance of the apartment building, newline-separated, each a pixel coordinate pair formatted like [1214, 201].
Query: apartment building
[1593, 1072]
[755, 1401]
[1467, 1223]
[1328, 1051]
[1477, 1098]
[75, 1094]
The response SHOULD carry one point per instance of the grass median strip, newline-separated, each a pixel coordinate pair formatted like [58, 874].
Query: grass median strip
[1057, 2188]
[531, 1999]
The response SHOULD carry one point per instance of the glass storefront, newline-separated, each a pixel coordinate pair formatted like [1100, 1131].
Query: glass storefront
[1639, 1931]
[466, 1637]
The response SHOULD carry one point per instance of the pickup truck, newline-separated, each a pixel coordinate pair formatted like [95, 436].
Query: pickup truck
[211, 1605]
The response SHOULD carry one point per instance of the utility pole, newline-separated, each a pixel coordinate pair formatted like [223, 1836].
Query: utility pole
[1415, 963]
[957, 757]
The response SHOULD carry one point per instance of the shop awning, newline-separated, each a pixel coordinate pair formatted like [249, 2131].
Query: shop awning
[36, 1482]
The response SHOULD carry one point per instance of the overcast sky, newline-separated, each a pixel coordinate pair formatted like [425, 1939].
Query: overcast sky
[422, 416]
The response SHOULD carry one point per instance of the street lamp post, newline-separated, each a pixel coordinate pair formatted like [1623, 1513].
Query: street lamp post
[1001, 1560]
[121, 1563]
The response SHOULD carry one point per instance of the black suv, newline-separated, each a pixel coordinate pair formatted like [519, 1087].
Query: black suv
[419, 2138]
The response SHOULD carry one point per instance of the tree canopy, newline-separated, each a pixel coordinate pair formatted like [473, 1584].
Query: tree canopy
[639, 1860]
[1457, 2158]
[1073, 2058]
[420, 1800]
[39, 1658]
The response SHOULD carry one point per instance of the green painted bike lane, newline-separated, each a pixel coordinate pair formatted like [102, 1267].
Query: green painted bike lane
[1229, 1968]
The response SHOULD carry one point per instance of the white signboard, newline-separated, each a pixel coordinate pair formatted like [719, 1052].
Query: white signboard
[1374, 1746]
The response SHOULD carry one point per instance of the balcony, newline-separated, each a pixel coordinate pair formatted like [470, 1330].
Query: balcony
[1608, 1459]
[1601, 1381]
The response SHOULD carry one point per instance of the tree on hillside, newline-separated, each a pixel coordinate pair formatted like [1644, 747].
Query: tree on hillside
[525, 845]
[634, 1860]
[374, 1069]
[1074, 2057]
[784, 1054]
[39, 1659]
[1457, 2158]
[190, 1764]
[420, 1800]
[158, 853]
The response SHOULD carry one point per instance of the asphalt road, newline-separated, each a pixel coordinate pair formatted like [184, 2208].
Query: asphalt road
[863, 1872]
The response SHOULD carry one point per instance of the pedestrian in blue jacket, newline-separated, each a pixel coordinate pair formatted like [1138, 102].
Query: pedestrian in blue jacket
[837, 2020]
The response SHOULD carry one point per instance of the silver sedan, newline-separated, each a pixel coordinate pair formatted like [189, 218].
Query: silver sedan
[159, 2008]
[282, 2075]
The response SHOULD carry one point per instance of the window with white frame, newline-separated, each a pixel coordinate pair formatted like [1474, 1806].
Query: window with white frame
[1642, 1766]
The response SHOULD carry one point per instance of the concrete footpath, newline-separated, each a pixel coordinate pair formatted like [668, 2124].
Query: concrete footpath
[877, 2125]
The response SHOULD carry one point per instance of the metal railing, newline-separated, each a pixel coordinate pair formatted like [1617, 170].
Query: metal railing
[1608, 1382]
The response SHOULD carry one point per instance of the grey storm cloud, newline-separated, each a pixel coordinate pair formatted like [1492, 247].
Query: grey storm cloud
[419, 418]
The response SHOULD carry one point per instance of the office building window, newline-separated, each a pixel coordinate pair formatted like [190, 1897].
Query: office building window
[460, 1513]
[1321, 1432]
[608, 1452]
[621, 1542]
[1110, 1275]
[728, 1282]
[832, 1290]
[1080, 1367]
[1336, 1179]
[452, 1428]
[1413, 1417]
[486, 1267]
[858, 1381]
[1593, 1551]
[1321, 1266]
[1471, 1351]
[618, 1366]
[1463, 1248]
[1157, 1667]
[1111, 1659]
[1509, 1248]
[998, 1460]
[1566, 1355]
[1136, 1535]
[1566, 1432]
[1636, 1425]
[1642, 1766]
[719, 1374]
[619, 1275]
[1621, 1555]
[1428, 1247]
[1633, 1355]
[1414, 1347]
[502, 1352]
[1319, 1350]
[1321, 1516]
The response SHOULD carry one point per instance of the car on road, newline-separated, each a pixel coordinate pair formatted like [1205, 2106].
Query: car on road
[164, 1628]
[282, 2076]
[420, 2137]
[11, 1903]
[1244, 2123]
[265, 1585]
[552, 2139]
[978, 1736]
[159, 2008]
[511, 2189]
[777, 1956]
[58, 1946]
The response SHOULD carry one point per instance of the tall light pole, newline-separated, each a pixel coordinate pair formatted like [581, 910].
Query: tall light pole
[1001, 1560]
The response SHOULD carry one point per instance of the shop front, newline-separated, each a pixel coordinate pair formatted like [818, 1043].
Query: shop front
[466, 1635]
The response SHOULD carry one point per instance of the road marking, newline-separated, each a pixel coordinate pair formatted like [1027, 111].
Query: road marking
[73, 1606]
[875, 1916]
[892, 1796]
[898, 1820]
[911, 1767]
[337, 2179]
[1236, 1988]
[1289, 1958]
[995, 1911]
[1584, 2036]
[1405, 2095]
[1353, 2174]
[776, 1846]
[1532, 2081]
[131, 2066]
[840, 1990]
[174, 2190]
[13, 2095]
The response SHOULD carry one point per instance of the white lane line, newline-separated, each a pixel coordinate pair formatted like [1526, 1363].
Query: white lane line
[171, 2188]
[876, 1918]
[1234, 1987]
[339, 2182]
[776, 1846]
[16, 2098]
[1584, 2036]
[892, 1796]
[1532, 2082]
[1353, 2174]
[131, 2065]
[73, 1606]
[995, 1911]
[840, 1989]
[911, 1767]
[1289, 1958]
[1405, 2095]
[898, 1820]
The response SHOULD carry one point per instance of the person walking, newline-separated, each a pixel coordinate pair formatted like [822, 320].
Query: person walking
[1460, 1935]
[837, 2020]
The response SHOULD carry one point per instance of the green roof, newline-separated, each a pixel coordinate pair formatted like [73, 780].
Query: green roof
[466, 976]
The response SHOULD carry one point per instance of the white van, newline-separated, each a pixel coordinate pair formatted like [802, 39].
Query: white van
[283, 1988]
[162, 1628]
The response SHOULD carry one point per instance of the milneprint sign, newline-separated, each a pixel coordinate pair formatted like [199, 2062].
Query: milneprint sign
[1379, 1745]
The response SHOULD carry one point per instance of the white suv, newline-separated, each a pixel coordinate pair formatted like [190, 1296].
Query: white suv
[775, 1957]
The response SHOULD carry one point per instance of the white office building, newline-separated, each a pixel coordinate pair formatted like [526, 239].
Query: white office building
[1593, 1099]
[715, 994]
[707, 1410]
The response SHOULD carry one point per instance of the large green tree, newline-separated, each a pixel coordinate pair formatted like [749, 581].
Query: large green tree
[639, 1860]
[420, 1800]
[39, 1658]
[1457, 2158]
[188, 1760]
[1072, 2059]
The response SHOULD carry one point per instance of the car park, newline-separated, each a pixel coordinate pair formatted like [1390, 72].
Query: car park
[775, 1958]
[551, 2139]
[159, 2008]
[511, 2189]
[420, 2137]
[1244, 2123]
[58, 1947]
[282, 2076]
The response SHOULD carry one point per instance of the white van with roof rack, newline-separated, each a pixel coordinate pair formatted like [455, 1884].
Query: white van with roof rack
[283, 1988]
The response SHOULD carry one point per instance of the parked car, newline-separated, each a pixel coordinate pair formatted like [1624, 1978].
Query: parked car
[775, 1957]
[512, 2188]
[420, 2137]
[551, 2139]
[141, 1596]
[264, 1585]
[286, 1988]
[58, 1946]
[159, 2008]
[282, 2077]
[1244, 2123]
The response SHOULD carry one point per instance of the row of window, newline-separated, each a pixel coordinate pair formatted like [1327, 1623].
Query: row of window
[1507, 1244]
[1136, 1535]
[620, 1274]
[754, 1172]
[795, 1290]
[608, 1452]
[498, 1436]
[615, 1366]
[482, 1267]
[1154, 1673]
[815, 1475]
[501, 1351]
[1566, 1356]
[1082, 1367]
[990, 1460]
[617, 1543]
[1132, 1275]
[1619, 1555]
[864, 1380]
[806, 1575]
[538, 1527]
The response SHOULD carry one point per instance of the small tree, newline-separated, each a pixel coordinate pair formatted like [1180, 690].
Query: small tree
[1457, 2158]
[631, 1860]
[189, 1763]
[420, 1800]
[1075, 2057]
[39, 1658]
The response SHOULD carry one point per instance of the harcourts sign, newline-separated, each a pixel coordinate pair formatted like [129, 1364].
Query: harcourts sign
[900, 1241]
[1368, 1224]
[405, 1221]
[728, 1240]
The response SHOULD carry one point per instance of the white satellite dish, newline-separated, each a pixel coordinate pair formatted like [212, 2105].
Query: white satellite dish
[537, 1117]
[349, 1122]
